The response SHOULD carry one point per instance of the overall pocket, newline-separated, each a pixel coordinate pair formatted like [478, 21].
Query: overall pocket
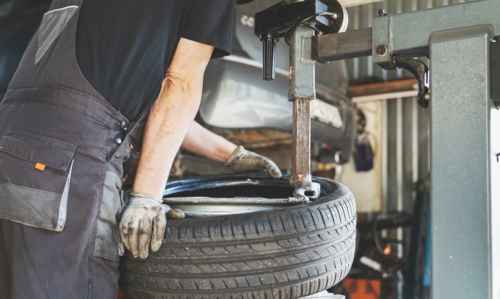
[35, 174]
[108, 235]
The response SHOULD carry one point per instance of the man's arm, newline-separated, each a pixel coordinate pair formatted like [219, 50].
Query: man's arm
[170, 119]
[171, 116]
[212, 146]
[202, 142]
[144, 220]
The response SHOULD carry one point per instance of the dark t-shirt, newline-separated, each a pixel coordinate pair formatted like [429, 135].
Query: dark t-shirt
[124, 47]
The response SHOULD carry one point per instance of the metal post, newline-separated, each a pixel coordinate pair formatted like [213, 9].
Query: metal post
[302, 92]
[461, 160]
[301, 138]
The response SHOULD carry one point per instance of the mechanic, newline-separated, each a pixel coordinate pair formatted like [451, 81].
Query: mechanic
[98, 78]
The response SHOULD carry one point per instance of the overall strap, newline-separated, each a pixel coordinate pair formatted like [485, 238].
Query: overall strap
[50, 59]
[56, 4]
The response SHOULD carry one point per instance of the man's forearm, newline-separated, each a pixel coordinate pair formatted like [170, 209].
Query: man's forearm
[171, 116]
[205, 143]
[168, 123]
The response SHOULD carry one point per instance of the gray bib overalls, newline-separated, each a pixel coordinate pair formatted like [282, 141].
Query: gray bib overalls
[62, 146]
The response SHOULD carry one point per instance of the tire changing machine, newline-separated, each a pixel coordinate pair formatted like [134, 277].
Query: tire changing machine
[461, 89]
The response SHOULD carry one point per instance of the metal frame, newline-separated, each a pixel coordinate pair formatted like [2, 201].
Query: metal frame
[460, 144]
[465, 231]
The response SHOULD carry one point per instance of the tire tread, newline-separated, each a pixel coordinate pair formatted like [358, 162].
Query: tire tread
[287, 253]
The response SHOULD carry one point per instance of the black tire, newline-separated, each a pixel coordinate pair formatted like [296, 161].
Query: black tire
[290, 252]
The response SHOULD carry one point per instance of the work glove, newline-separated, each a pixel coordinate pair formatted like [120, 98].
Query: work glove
[143, 223]
[244, 161]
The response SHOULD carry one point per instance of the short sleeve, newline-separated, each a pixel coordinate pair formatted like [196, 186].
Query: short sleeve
[210, 22]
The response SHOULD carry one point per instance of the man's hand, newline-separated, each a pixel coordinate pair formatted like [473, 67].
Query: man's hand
[144, 222]
[244, 161]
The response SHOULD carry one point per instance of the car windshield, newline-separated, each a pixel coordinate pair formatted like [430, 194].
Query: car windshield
[5, 7]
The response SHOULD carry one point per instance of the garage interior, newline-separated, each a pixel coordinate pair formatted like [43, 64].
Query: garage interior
[425, 180]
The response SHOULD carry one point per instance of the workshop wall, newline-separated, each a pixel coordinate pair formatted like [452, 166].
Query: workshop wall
[367, 185]
[405, 127]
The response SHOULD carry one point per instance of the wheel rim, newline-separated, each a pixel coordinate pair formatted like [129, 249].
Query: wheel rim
[231, 186]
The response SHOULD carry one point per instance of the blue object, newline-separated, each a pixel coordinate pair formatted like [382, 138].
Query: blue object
[364, 154]
[427, 269]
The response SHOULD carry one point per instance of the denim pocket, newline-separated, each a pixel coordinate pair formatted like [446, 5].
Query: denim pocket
[35, 174]
[53, 24]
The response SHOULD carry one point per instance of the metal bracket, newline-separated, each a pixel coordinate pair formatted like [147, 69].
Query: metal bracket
[305, 189]
[278, 20]
[417, 68]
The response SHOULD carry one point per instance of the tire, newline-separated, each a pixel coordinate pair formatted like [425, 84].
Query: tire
[289, 252]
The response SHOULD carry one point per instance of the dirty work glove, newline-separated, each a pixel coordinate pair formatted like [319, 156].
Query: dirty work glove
[244, 161]
[143, 222]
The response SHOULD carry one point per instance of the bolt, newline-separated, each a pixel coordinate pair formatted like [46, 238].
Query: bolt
[427, 97]
[335, 16]
[381, 12]
[381, 50]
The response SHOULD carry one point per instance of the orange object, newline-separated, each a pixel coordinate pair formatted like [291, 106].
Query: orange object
[40, 166]
[363, 288]
[123, 180]
[387, 250]
[131, 146]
